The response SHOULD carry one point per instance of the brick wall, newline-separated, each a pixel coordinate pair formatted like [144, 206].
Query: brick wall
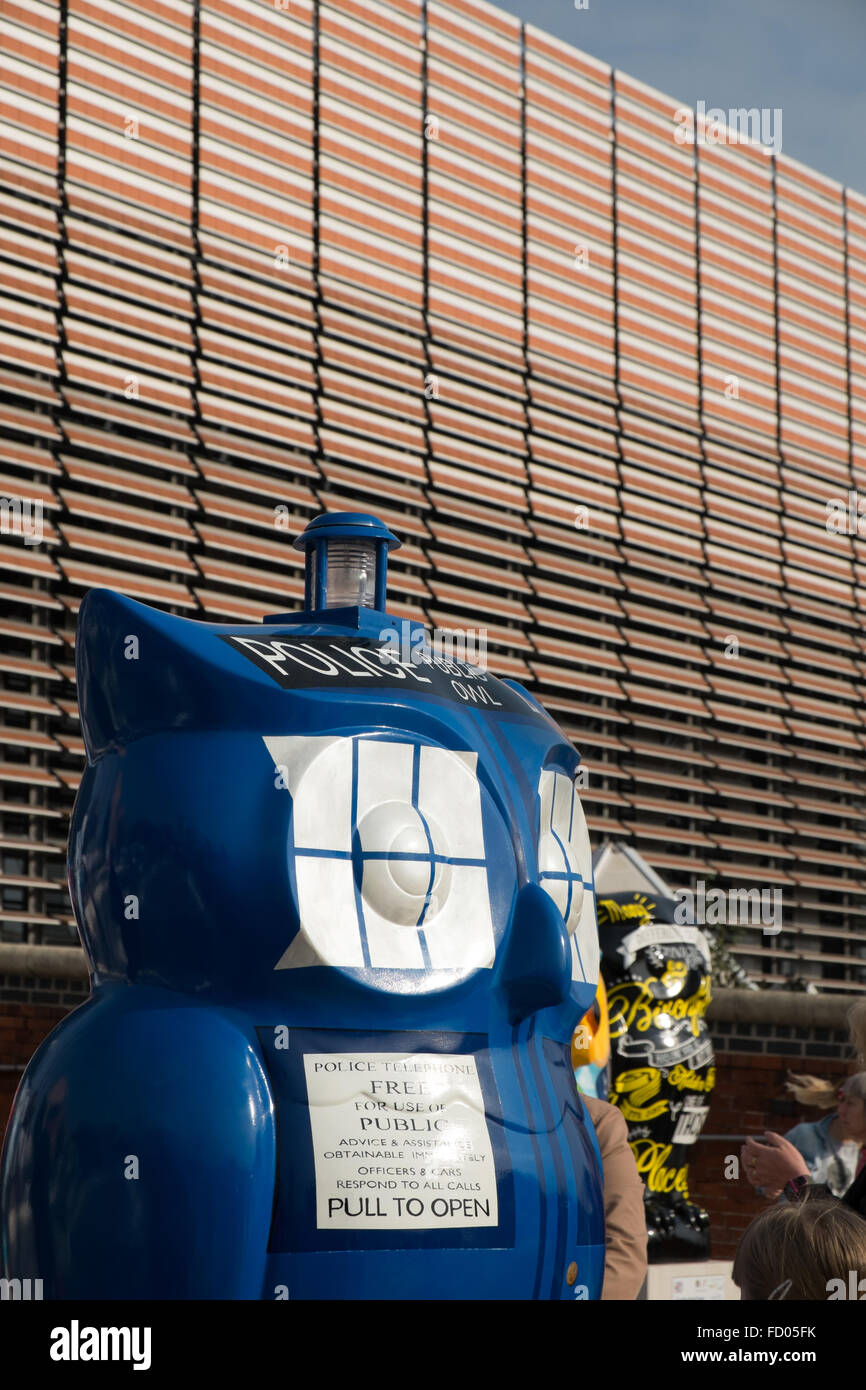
[803, 1048]
[29, 1009]
[749, 1098]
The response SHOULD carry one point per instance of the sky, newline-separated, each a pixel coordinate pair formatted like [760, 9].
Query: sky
[806, 57]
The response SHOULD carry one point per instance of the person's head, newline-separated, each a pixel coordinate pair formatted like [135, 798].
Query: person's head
[794, 1249]
[851, 1107]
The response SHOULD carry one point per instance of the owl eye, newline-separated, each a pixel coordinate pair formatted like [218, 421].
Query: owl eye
[389, 865]
[565, 867]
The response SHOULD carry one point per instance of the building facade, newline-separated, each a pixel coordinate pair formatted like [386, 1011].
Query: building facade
[608, 384]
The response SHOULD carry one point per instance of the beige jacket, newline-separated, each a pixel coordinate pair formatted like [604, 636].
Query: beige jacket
[625, 1262]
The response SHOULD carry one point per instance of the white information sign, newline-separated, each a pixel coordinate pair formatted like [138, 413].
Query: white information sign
[399, 1142]
[699, 1288]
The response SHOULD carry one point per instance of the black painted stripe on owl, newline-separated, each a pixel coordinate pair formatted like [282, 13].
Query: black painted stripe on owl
[523, 815]
[539, 1167]
[357, 664]
[520, 817]
[494, 738]
[588, 1189]
[554, 1134]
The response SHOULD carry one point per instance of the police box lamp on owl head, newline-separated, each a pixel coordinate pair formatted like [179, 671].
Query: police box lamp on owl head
[346, 561]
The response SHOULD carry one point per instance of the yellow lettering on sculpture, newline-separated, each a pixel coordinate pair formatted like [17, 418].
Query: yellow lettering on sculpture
[650, 1157]
[632, 1005]
[684, 1079]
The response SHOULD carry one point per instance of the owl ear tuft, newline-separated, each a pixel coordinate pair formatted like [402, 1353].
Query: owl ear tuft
[130, 670]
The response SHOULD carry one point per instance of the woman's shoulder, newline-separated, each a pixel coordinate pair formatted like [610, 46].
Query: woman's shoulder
[802, 1130]
[808, 1134]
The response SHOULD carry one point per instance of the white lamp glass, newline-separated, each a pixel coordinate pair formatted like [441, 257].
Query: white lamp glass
[351, 581]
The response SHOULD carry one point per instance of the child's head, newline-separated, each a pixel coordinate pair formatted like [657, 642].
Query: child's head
[793, 1250]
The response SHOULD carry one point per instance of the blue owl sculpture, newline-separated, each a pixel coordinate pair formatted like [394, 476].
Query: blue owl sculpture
[335, 888]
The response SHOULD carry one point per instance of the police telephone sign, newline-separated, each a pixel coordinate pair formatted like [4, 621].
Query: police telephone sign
[399, 1142]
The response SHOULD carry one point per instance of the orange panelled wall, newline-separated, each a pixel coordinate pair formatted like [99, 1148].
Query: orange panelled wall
[418, 258]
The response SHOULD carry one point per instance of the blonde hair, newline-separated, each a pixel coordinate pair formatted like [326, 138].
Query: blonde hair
[793, 1250]
[812, 1090]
